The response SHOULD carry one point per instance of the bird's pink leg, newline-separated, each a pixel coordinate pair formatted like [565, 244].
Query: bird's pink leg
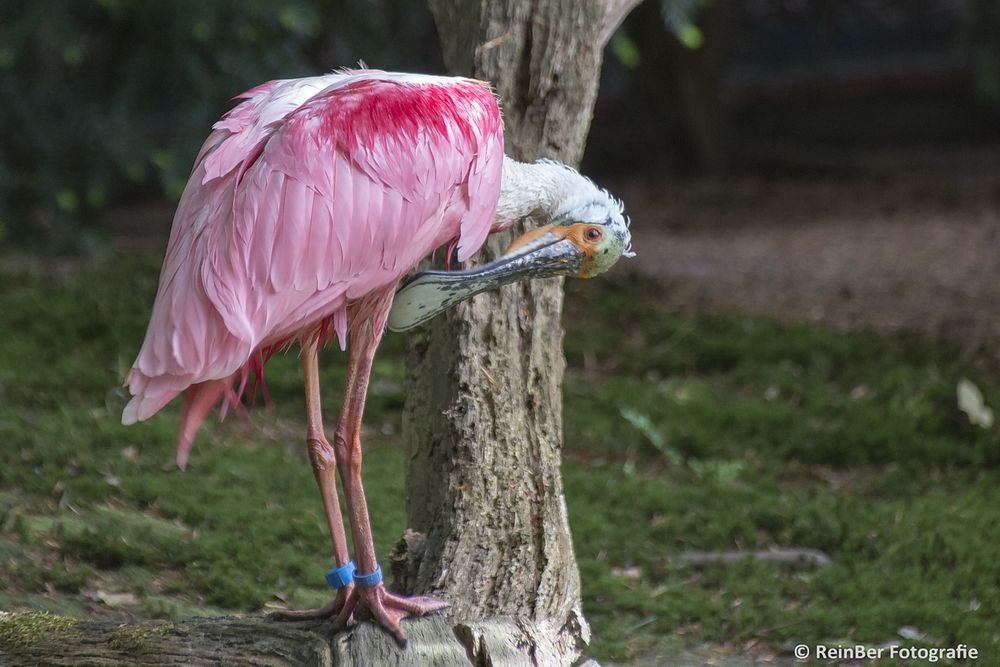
[375, 602]
[324, 465]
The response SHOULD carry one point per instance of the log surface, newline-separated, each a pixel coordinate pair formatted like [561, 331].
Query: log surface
[33, 638]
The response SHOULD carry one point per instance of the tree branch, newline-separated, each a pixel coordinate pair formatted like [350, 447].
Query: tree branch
[615, 13]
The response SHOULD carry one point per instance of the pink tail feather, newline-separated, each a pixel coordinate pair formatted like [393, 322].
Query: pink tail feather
[198, 402]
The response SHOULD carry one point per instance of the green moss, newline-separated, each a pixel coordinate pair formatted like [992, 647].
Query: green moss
[135, 638]
[918, 557]
[33, 627]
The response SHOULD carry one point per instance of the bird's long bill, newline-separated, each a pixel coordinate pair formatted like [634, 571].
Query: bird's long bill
[538, 254]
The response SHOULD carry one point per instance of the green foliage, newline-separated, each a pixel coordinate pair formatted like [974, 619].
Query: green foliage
[112, 96]
[625, 50]
[683, 434]
[981, 31]
[110, 99]
[680, 18]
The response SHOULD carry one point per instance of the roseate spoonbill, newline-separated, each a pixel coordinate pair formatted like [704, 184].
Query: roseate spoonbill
[309, 202]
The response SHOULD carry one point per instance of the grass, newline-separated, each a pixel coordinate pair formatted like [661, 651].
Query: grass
[30, 627]
[683, 434]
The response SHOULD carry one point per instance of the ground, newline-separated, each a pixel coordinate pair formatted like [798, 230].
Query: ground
[891, 239]
[689, 428]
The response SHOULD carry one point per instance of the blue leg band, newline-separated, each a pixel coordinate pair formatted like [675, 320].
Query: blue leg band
[339, 577]
[369, 580]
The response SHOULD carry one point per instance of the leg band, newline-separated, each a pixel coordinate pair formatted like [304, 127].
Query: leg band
[369, 580]
[339, 577]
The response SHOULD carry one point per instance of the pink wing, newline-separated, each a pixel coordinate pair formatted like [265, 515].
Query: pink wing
[304, 198]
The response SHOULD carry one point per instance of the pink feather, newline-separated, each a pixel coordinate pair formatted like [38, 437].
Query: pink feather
[307, 196]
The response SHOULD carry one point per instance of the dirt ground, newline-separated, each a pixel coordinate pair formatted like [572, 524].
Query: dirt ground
[900, 239]
[894, 240]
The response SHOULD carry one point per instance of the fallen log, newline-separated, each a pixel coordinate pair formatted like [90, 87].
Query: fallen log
[38, 638]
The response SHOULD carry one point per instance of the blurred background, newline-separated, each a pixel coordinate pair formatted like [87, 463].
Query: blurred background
[807, 340]
[758, 142]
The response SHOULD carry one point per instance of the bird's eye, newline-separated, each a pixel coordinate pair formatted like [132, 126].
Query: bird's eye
[594, 233]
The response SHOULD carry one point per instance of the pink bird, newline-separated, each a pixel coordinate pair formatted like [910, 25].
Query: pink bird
[307, 205]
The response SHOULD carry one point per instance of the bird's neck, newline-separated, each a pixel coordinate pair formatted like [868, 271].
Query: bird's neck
[533, 189]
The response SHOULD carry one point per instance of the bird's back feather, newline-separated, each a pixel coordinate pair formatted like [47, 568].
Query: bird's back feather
[309, 195]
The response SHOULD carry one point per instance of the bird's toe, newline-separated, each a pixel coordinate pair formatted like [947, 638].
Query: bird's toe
[389, 609]
[332, 608]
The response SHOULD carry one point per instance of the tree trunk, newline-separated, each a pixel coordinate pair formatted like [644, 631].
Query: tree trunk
[488, 525]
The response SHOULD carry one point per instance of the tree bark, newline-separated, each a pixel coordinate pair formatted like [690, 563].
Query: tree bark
[488, 524]
[33, 638]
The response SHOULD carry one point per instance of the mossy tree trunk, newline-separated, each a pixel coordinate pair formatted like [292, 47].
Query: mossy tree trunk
[488, 525]
[34, 638]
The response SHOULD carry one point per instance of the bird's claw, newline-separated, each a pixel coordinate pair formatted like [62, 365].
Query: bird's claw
[386, 609]
[330, 609]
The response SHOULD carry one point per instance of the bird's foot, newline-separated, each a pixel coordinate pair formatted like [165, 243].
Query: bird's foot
[386, 609]
[330, 609]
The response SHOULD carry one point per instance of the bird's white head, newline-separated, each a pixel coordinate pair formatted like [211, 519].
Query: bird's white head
[586, 230]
